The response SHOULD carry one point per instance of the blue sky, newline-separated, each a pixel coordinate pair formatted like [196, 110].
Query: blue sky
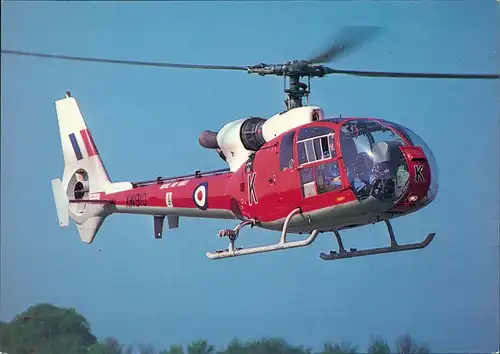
[146, 121]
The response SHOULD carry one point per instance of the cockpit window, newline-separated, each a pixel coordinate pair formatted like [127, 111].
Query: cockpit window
[371, 154]
[315, 143]
[370, 129]
[360, 136]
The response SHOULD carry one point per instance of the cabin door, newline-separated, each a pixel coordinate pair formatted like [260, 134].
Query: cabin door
[317, 161]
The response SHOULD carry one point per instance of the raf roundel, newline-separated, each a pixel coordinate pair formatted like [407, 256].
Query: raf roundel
[200, 196]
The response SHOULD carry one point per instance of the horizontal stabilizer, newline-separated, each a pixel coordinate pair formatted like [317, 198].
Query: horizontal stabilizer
[62, 202]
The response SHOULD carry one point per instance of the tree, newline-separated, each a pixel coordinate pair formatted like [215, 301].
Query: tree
[344, 348]
[234, 347]
[110, 345]
[379, 346]
[98, 348]
[263, 346]
[406, 344]
[201, 346]
[174, 349]
[146, 349]
[113, 346]
[273, 346]
[47, 328]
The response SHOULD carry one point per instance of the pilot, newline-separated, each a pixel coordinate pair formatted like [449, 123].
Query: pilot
[350, 153]
[329, 152]
[364, 168]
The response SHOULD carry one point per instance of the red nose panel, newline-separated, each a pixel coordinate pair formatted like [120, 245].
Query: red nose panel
[419, 178]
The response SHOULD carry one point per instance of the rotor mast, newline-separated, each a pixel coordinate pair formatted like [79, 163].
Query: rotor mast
[296, 91]
[294, 71]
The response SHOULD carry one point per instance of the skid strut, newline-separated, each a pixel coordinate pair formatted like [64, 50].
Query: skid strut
[394, 247]
[231, 251]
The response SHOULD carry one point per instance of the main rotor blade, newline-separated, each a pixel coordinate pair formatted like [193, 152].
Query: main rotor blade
[350, 39]
[127, 62]
[410, 75]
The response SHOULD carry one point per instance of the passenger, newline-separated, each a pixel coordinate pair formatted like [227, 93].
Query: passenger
[333, 152]
[331, 176]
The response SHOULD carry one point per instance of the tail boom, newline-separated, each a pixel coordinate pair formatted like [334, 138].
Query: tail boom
[187, 197]
[200, 197]
[192, 197]
[86, 195]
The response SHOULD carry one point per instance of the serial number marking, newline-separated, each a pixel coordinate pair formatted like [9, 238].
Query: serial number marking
[137, 200]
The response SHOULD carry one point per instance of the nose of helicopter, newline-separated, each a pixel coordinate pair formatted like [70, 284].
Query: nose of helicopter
[417, 141]
[434, 186]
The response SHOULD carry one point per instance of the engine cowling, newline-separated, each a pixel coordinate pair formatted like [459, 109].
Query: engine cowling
[237, 140]
[250, 134]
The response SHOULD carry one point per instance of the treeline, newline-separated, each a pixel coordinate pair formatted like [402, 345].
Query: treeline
[48, 329]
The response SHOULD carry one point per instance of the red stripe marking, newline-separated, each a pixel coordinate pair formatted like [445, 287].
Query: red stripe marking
[89, 143]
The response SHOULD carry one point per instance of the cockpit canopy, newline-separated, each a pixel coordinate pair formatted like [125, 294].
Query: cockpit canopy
[370, 150]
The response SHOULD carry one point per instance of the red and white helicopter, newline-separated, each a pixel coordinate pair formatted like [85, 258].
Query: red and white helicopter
[295, 172]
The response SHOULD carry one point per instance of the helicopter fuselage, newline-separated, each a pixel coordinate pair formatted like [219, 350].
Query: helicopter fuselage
[341, 173]
[295, 172]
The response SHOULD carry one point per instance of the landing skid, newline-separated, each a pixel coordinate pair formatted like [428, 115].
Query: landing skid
[394, 247]
[283, 244]
[231, 251]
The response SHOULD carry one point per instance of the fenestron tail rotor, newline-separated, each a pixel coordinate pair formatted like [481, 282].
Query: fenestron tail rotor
[350, 39]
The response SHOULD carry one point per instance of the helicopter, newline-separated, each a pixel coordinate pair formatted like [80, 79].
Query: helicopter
[298, 171]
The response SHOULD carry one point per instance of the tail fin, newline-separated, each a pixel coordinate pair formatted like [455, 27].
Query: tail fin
[84, 176]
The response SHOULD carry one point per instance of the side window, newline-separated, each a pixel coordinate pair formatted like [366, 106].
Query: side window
[331, 145]
[310, 132]
[315, 143]
[311, 155]
[328, 177]
[286, 151]
[307, 182]
[301, 149]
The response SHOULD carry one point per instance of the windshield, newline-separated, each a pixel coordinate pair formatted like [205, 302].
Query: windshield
[373, 160]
